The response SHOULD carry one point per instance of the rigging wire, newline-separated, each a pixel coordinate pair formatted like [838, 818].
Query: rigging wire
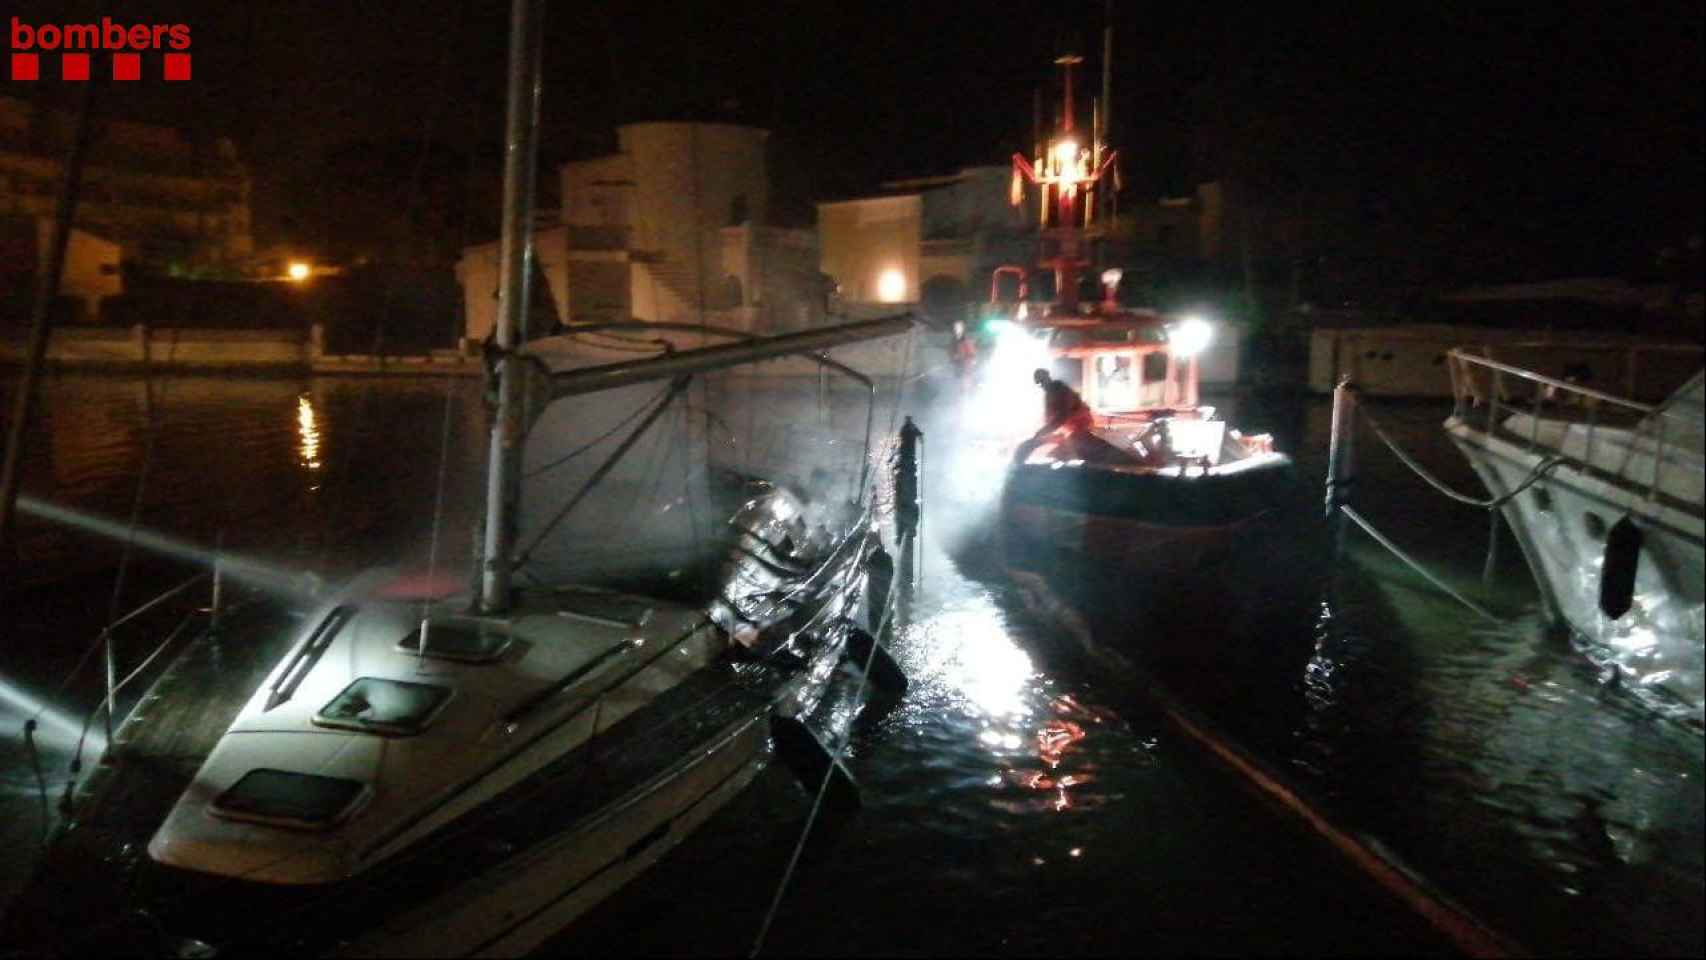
[417, 180]
[437, 509]
[606, 435]
[1539, 470]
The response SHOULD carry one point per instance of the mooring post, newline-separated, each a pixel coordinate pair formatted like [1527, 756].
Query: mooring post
[918, 539]
[1341, 461]
[907, 512]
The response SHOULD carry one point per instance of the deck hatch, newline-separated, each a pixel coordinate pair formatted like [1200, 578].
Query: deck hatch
[300, 801]
[469, 641]
[379, 705]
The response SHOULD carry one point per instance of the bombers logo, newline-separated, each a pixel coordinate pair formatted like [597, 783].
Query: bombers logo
[73, 43]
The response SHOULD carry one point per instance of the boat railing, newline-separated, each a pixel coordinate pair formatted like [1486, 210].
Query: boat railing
[1620, 440]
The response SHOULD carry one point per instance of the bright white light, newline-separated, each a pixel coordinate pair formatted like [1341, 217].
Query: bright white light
[1190, 336]
[1111, 277]
[891, 285]
[1008, 404]
[298, 271]
[1065, 154]
[278, 581]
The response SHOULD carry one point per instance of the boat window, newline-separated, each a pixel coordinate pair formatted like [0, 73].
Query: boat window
[470, 641]
[1154, 367]
[378, 705]
[1100, 335]
[282, 798]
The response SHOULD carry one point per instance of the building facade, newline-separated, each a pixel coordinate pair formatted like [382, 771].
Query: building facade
[670, 229]
[174, 205]
[932, 240]
[90, 273]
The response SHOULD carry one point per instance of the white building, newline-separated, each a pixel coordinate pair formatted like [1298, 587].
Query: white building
[670, 228]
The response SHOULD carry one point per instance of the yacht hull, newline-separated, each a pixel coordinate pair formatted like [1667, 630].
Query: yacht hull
[1561, 523]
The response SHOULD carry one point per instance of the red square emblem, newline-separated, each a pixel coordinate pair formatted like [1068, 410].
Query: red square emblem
[127, 66]
[74, 66]
[25, 66]
[177, 66]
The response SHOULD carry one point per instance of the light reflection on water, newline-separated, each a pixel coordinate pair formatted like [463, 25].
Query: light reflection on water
[967, 655]
[967, 661]
[308, 430]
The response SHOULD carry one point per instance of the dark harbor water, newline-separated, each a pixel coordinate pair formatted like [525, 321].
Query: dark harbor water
[1023, 798]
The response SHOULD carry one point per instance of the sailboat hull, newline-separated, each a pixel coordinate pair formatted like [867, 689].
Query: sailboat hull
[499, 880]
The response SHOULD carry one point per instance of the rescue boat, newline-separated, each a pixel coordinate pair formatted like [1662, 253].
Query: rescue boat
[1157, 484]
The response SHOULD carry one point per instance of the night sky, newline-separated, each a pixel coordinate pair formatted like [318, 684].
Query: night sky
[1547, 119]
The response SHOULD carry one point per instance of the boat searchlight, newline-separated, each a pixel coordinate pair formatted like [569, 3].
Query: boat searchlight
[1190, 336]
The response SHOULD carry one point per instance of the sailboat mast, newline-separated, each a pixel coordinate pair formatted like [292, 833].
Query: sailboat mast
[515, 261]
[1106, 194]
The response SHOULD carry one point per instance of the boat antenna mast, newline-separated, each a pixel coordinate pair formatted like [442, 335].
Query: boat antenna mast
[515, 268]
[1067, 174]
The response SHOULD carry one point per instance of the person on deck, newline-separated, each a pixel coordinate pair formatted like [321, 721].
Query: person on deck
[1064, 411]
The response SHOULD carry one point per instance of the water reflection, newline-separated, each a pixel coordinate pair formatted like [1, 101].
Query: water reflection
[967, 650]
[307, 433]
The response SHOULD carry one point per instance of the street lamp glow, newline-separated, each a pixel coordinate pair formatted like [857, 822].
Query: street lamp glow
[891, 285]
[297, 271]
[1190, 336]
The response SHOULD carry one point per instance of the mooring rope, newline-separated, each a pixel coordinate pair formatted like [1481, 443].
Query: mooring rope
[1540, 469]
[1368, 528]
